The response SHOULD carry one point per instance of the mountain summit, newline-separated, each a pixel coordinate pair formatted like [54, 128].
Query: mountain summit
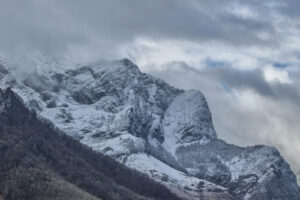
[148, 125]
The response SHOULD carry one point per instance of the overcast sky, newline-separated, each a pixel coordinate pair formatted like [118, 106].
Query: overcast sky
[244, 55]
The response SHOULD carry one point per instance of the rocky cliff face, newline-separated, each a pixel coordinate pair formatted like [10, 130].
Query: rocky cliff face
[38, 162]
[153, 127]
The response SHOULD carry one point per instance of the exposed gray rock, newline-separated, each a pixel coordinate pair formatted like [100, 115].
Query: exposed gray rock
[149, 125]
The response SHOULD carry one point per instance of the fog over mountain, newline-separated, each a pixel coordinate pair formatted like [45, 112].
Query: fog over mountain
[243, 55]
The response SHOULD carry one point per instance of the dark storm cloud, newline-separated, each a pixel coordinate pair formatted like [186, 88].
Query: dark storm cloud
[255, 80]
[235, 79]
[54, 26]
[35, 25]
[290, 8]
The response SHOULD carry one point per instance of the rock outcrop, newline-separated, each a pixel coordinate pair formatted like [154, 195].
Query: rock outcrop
[153, 127]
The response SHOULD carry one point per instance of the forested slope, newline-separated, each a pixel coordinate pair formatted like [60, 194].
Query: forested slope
[38, 162]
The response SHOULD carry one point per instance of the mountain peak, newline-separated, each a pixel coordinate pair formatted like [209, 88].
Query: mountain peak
[128, 63]
[118, 110]
[188, 120]
[125, 64]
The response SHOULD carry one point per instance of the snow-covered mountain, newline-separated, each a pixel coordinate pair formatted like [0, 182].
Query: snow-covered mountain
[151, 126]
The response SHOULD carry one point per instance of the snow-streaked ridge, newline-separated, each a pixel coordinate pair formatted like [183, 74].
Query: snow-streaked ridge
[151, 126]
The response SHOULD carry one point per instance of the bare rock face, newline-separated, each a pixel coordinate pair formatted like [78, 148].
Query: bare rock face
[188, 120]
[153, 127]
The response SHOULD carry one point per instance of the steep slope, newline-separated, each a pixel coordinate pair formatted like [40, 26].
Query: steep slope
[38, 162]
[155, 128]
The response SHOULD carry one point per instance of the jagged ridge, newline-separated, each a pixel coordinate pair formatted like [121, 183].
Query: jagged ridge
[120, 111]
